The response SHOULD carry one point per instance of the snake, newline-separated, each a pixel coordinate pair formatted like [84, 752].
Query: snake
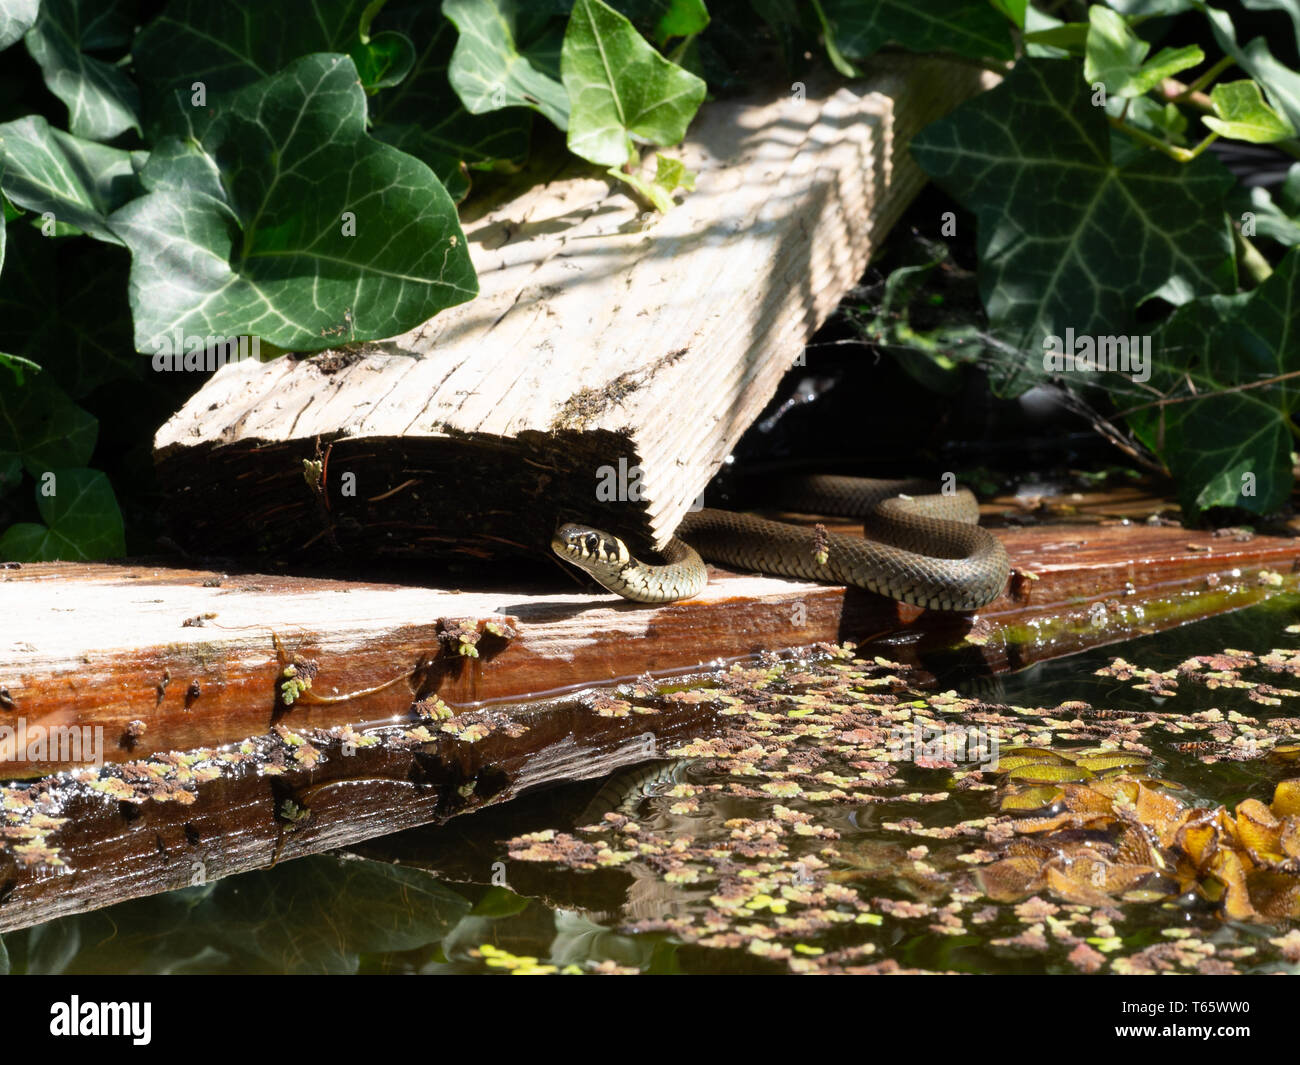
[920, 547]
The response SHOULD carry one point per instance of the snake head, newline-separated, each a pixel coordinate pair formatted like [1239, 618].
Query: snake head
[585, 546]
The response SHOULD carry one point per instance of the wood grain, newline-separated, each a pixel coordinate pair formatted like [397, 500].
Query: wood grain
[605, 338]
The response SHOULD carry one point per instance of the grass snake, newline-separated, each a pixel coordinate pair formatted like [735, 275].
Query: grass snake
[919, 547]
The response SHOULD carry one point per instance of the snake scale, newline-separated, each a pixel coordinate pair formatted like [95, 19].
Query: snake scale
[919, 547]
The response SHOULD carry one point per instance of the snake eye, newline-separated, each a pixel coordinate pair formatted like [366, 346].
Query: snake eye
[591, 544]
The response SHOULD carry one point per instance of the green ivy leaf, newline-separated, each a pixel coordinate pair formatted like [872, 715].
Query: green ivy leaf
[1244, 116]
[1015, 10]
[82, 521]
[18, 366]
[270, 256]
[1069, 37]
[43, 427]
[11, 472]
[971, 28]
[384, 61]
[1115, 56]
[237, 42]
[1271, 220]
[102, 100]
[681, 18]
[500, 902]
[1165, 121]
[498, 63]
[671, 173]
[424, 117]
[662, 20]
[232, 44]
[80, 182]
[619, 87]
[1278, 80]
[1067, 237]
[16, 18]
[74, 320]
[1210, 436]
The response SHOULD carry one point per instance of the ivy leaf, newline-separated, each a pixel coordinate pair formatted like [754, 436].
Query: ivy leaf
[1229, 448]
[384, 61]
[271, 255]
[682, 18]
[662, 20]
[669, 175]
[1270, 219]
[80, 182]
[424, 117]
[1115, 56]
[232, 44]
[1280, 82]
[971, 28]
[102, 100]
[43, 427]
[620, 87]
[11, 472]
[82, 521]
[18, 366]
[495, 64]
[1244, 116]
[65, 306]
[1164, 121]
[1071, 37]
[1067, 237]
[1015, 10]
[16, 18]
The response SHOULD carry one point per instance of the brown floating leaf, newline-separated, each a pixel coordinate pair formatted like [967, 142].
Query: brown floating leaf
[1010, 757]
[1286, 799]
[1198, 838]
[1086, 799]
[1228, 870]
[1276, 895]
[1011, 878]
[1110, 760]
[1159, 811]
[1145, 844]
[1034, 798]
[1260, 833]
[1134, 847]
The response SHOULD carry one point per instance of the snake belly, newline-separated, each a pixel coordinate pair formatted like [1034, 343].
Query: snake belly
[918, 547]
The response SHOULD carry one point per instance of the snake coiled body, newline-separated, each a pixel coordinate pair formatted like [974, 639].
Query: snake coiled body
[919, 548]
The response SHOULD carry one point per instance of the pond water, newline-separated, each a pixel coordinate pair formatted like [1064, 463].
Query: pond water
[826, 831]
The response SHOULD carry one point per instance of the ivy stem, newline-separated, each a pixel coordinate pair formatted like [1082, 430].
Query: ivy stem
[1182, 155]
[675, 56]
[1174, 91]
[1169, 401]
[1200, 147]
[1196, 88]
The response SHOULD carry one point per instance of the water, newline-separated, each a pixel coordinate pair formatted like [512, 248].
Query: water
[792, 842]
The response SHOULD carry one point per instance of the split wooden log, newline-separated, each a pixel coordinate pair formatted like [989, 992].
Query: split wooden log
[610, 363]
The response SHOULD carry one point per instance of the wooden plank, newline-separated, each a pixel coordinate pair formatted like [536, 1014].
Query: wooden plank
[85, 840]
[606, 346]
[190, 656]
[86, 645]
